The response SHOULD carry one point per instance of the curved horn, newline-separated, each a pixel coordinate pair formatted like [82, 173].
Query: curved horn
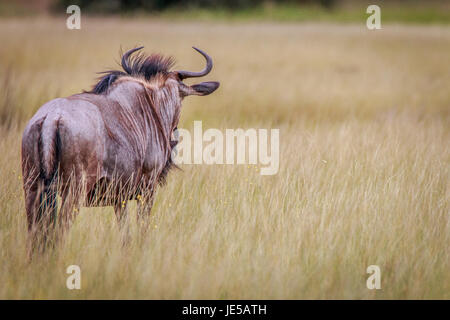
[204, 72]
[125, 57]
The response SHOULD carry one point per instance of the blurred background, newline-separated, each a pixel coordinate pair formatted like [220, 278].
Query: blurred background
[412, 11]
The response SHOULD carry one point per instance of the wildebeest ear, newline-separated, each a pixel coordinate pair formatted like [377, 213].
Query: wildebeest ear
[204, 88]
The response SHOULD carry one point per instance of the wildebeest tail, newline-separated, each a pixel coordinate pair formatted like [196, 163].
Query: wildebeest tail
[48, 157]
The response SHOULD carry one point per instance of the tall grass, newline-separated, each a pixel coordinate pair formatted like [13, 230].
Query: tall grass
[364, 172]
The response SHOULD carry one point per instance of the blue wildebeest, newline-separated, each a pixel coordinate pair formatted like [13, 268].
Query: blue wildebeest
[105, 146]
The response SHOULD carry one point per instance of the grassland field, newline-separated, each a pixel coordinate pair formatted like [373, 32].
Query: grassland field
[364, 119]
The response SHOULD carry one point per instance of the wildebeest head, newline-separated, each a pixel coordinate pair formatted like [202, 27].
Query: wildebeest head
[154, 72]
[157, 66]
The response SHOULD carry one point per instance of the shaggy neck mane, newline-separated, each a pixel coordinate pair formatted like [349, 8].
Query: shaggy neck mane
[141, 66]
[144, 68]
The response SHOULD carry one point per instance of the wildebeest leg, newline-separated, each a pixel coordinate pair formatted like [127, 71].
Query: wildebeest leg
[145, 204]
[120, 209]
[67, 214]
[40, 204]
[32, 207]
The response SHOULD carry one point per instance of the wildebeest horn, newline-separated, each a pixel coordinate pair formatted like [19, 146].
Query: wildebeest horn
[125, 65]
[204, 72]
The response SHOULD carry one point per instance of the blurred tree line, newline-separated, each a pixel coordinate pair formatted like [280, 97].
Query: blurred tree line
[159, 5]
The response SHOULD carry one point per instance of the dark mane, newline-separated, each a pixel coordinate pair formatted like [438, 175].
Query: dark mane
[140, 66]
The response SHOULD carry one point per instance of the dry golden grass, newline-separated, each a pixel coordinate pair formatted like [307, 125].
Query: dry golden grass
[364, 173]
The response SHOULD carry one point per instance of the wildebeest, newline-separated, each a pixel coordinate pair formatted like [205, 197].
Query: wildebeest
[107, 145]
